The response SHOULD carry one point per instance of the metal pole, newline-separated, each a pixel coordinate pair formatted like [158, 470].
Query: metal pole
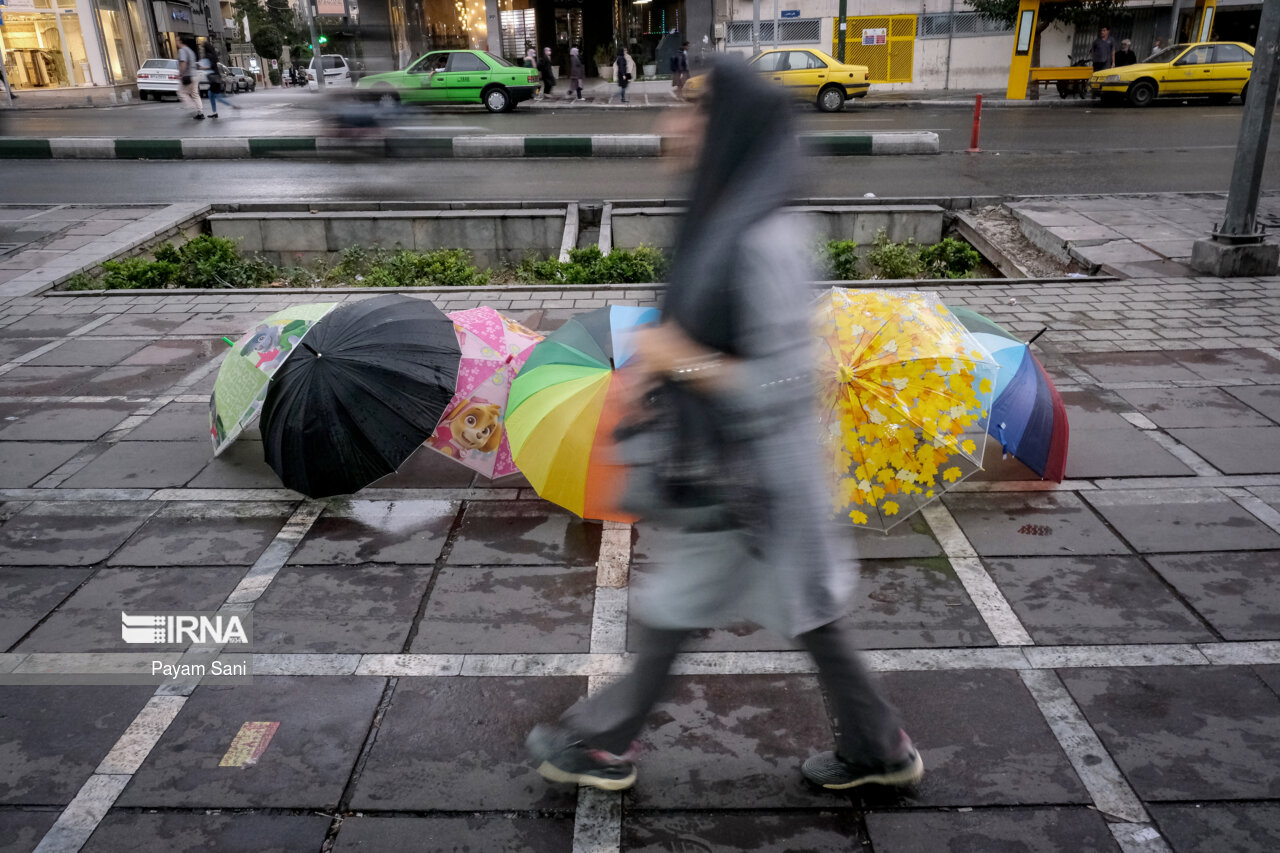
[1255, 130]
[841, 26]
[755, 27]
[775, 24]
[951, 34]
[317, 53]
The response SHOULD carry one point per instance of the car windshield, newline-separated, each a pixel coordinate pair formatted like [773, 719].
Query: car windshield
[330, 62]
[499, 60]
[1169, 54]
[160, 63]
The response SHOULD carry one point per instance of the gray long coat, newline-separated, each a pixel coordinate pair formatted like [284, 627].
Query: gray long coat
[795, 572]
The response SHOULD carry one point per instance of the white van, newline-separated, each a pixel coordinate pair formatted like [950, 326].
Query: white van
[336, 71]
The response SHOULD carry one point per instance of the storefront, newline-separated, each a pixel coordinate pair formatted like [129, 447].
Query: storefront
[53, 44]
[171, 21]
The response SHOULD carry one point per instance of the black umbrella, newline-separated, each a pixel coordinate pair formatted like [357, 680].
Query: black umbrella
[362, 392]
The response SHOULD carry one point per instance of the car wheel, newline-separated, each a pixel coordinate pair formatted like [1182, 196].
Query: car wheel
[385, 97]
[1244, 93]
[831, 99]
[1142, 93]
[496, 100]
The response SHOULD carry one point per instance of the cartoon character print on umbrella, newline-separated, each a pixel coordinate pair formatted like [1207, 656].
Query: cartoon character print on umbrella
[474, 427]
[272, 343]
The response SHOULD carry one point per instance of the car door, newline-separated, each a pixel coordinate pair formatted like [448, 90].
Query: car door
[465, 77]
[1191, 72]
[771, 65]
[425, 84]
[1232, 65]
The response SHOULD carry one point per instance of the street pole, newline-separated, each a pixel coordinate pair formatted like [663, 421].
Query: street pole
[317, 55]
[841, 25]
[775, 24]
[755, 27]
[1237, 247]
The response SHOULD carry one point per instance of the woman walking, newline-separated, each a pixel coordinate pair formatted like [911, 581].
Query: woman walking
[548, 75]
[577, 73]
[743, 523]
[626, 71]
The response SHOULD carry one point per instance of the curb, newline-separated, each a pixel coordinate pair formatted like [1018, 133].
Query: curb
[470, 147]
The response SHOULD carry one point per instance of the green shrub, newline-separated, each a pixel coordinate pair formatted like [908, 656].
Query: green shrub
[951, 258]
[406, 268]
[81, 281]
[842, 260]
[890, 260]
[134, 273]
[640, 265]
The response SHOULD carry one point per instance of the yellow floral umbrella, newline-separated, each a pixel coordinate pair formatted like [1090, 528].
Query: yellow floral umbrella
[905, 395]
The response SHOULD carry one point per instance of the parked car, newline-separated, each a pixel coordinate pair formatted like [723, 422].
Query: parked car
[159, 77]
[810, 75]
[1216, 70]
[337, 72]
[455, 77]
[241, 79]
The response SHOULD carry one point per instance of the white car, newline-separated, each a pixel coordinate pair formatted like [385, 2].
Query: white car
[336, 72]
[160, 77]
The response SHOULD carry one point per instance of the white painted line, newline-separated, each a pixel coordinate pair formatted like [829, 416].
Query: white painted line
[268, 565]
[100, 321]
[1117, 497]
[733, 663]
[554, 664]
[1257, 653]
[925, 660]
[82, 816]
[1093, 764]
[408, 665]
[1063, 657]
[305, 664]
[1220, 481]
[597, 822]
[75, 494]
[952, 539]
[609, 621]
[488, 146]
[224, 495]
[1256, 507]
[1138, 838]
[985, 486]
[1139, 420]
[138, 740]
[613, 565]
[1187, 456]
[19, 361]
[11, 661]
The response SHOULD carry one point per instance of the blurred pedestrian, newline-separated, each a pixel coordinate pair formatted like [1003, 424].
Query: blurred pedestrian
[577, 73]
[741, 521]
[626, 68]
[548, 74]
[188, 82]
[1103, 52]
[680, 69]
[530, 58]
[211, 66]
[1125, 55]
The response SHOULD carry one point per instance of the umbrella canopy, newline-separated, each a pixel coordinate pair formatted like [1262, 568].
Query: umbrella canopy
[362, 393]
[247, 368]
[1028, 417]
[564, 407]
[905, 398]
[471, 431]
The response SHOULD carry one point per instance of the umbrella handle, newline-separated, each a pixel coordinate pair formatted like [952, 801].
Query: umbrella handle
[1037, 335]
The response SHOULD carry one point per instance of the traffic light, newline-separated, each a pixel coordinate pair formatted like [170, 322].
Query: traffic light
[322, 40]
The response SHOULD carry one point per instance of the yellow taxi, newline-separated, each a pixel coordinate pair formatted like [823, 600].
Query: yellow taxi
[1218, 70]
[809, 74]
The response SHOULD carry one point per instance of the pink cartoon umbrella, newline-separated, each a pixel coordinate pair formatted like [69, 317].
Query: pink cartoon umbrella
[472, 432]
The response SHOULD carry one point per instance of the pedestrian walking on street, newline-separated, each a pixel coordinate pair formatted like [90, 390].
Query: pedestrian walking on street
[530, 58]
[680, 69]
[742, 522]
[210, 63]
[1125, 55]
[577, 73]
[626, 68]
[188, 85]
[548, 75]
[1103, 52]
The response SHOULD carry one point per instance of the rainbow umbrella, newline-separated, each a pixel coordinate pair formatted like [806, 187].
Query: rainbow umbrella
[563, 408]
[471, 432]
[1027, 417]
[904, 396]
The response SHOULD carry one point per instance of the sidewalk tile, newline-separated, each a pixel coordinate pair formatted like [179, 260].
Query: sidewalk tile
[89, 621]
[133, 380]
[1126, 452]
[1219, 826]
[1263, 398]
[1094, 600]
[1192, 407]
[56, 735]
[1046, 524]
[69, 533]
[426, 469]
[1044, 830]
[28, 595]
[329, 610]
[1230, 364]
[740, 832]
[194, 534]
[174, 422]
[323, 722]
[733, 742]
[240, 466]
[1111, 367]
[1239, 450]
[42, 325]
[143, 464]
[136, 324]
[350, 531]
[447, 834]
[180, 832]
[1237, 593]
[186, 354]
[1156, 524]
[11, 349]
[1185, 733]
[72, 422]
[508, 610]
[516, 533]
[27, 462]
[436, 726]
[45, 381]
[87, 353]
[224, 323]
[22, 829]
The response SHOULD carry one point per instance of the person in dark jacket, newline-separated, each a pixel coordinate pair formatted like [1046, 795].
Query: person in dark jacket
[626, 68]
[1125, 55]
[577, 73]
[733, 363]
[548, 75]
[680, 69]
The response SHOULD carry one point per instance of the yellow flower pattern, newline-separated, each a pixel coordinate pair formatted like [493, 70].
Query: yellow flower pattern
[905, 393]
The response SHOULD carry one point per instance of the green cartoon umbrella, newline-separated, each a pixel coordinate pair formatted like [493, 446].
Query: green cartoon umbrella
[246, 370]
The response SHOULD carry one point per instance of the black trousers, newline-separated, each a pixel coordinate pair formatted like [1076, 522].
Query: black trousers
[867, 724]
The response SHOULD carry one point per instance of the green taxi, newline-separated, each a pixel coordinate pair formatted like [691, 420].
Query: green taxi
[454, 77]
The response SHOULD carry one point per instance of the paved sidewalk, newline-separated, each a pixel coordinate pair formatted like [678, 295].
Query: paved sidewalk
[1093, 666]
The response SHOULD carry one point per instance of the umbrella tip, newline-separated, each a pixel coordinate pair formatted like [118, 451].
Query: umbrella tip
[229, 342]
[1037, 335]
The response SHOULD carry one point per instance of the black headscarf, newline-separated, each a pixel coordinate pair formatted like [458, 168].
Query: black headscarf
[746, 171]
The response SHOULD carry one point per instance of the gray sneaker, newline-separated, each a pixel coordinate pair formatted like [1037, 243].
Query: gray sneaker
[560, 757]
[833, 772]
